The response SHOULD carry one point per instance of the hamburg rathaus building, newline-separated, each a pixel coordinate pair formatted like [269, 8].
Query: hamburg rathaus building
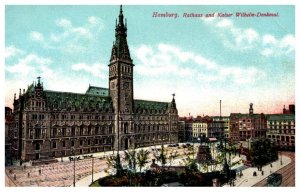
[50, 124]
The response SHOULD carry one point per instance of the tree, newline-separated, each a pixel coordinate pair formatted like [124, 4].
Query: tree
[130, 157]
[190, 164]
[263, 151]
[142, 158]
[114, 163]
[161, 155]
[172, 156]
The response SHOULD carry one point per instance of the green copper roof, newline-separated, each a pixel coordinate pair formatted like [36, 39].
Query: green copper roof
[240, 115]
[281, 117]
[67, 100]
[150, 106]
[93, 90]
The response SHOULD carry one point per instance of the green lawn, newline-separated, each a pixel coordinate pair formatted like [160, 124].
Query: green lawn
[95, 184]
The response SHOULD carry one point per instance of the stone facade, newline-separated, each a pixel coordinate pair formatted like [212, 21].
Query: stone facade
[281, 130]
[51, 124]
[246, 126]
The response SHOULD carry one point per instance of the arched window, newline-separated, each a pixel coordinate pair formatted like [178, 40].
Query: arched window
[73, 131]
[110, 131]
[54, 132]
[54, 144]
[89, 130]
[37, 131]
[81, 130]
[64, 131]
[125, 127]
[37, 146]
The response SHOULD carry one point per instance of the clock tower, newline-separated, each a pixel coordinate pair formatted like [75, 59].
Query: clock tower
[121, 83]
[121, 70]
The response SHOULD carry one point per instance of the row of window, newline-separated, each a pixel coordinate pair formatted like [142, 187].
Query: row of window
[150, 128]
[80, 117]
[91, 117]
[38, 133]
[152, 137]
[38, 116]
[102, 141]
[37, 104]
[281, 122]
[282, 127]
[292, 131]
[162, 118]
[105, 130]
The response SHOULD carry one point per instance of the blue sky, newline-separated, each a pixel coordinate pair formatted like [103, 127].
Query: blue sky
[202, 60]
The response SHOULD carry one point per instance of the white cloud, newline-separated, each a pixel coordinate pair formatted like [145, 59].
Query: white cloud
[12, 51]
[233, 37]
[277, 47]
[269, 39]
[71, 39]
[170, 60]
[224, 23]
[36, 36]
[97, 70]
[22, 68]
[95, 21]
[251, 35]
[288, 42]
[267, 52]
[29, 64]
[65, 23]
[241, 39]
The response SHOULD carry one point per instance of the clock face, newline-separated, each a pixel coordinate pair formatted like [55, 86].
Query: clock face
[125, 85]
[38, 94]
[112, 85]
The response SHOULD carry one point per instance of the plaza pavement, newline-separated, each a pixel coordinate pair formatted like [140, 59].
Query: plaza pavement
[246, 180]
[61, 173]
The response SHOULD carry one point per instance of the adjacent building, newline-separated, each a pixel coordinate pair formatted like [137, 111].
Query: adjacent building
[181, 131]
[196, 128]
[281, 128]
[291, 109]
[247, 126]
[216, 128]
[226, 126]
[9, 120]
[49, 124]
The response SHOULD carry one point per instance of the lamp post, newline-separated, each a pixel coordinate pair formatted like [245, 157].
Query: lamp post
[92, 168]
[61, 159]
[74, 179]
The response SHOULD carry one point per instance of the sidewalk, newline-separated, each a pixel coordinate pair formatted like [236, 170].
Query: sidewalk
[248, 180]
[85, 182]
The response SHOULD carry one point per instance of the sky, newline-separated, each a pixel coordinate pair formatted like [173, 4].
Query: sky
[238, 60]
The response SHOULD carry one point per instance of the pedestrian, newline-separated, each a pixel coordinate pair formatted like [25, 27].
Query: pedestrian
[271, 165]
[262, 172]
[40, 171]
[28, 174]
[15, 176]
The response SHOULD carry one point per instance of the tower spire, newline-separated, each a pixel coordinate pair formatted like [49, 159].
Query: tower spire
[120, 48]
[121, 16]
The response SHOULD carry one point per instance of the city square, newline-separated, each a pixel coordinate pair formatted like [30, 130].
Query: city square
[152, 115]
